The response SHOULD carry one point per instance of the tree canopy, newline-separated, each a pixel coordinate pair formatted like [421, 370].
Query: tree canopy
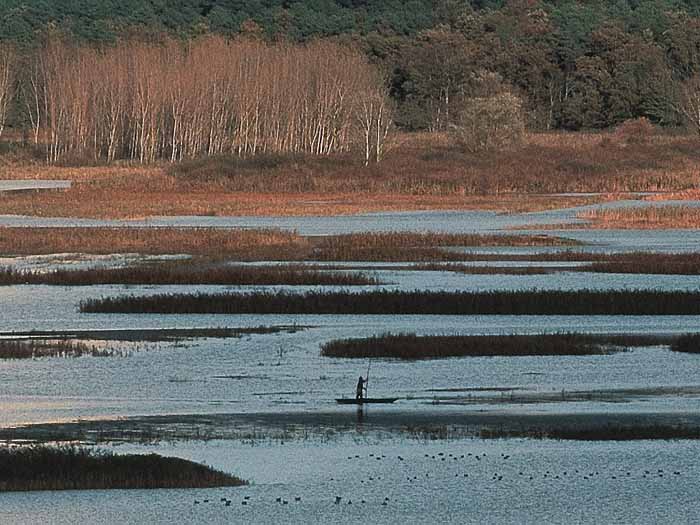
[576, 63]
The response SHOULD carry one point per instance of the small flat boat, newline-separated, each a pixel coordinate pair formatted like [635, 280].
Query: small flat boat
[366, 400]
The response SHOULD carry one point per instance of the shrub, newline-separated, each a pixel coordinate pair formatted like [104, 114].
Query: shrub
[489, 123]
[637, 131]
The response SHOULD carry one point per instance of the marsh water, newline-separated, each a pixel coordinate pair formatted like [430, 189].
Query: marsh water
[284, 373]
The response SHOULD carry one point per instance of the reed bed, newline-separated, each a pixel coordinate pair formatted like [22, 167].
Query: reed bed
[648, 217]
[256, 245]
[490, 270]
[151, 335]
[416, 247]
[34, 349]
[689, 343]
[413, 347]
[648, 263]
[419, 171]
[602, 433]
[31, 468]
[431, 164]
[628, 263]
[148, 241]
[187, 273]
[384, 302]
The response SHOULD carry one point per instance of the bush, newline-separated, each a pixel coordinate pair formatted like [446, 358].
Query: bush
[489, 123]
[637, 131]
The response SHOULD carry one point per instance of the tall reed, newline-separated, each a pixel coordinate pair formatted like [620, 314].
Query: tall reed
[73, 468]
[385, 302]
[413, 347]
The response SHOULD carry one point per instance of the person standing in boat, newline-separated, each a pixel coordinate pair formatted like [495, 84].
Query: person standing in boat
[361, 388]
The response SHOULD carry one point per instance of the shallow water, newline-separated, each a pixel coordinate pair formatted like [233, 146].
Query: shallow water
[561, 482]
[284, 372]
[468, 221]
[33, 184]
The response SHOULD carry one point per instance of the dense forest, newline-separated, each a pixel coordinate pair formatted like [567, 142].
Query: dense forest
[574, 64]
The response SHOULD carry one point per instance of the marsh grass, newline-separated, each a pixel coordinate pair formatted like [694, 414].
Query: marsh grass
[624, 263]
[648, 217]
[425, 163]
[384, 302]
[256, 245]
[689, 343]
[30, 468]
[186, 273]
[152, 335]
[149, 241]
[493, 270]
[648, 263]
[422, 171]
[34, 349]
[114, 343]
[413, 347]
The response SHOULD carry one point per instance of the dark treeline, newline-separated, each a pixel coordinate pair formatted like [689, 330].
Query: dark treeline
[413, 347]
[576, 64]
[187, 272]
[531, 302]
[72, 468]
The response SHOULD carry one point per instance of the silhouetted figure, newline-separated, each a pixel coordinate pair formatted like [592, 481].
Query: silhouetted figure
[360, 394]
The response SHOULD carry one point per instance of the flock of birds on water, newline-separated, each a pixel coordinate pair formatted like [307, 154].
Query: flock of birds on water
[585, 475]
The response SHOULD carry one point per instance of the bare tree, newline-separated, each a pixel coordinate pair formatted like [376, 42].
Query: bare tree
[688, 104]
[8, 70]
[169, 101]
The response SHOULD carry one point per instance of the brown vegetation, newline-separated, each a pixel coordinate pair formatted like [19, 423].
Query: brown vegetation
[194, 241]
[149, 335]
[387, 302]
[647, 263]
[631, 263]
[689, 343]
[420, 171]
[413, 347]
[70, 468]
[643, 218]
[255, 245]
[187, 272]
[34, 349]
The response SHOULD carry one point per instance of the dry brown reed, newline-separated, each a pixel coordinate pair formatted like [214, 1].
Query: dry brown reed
[195, 241]
[254, 245]
[648, 217]
[421, 171]
[43, 467]
[413, 347]
[34, 349]
[187, 273]
[390, 302]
